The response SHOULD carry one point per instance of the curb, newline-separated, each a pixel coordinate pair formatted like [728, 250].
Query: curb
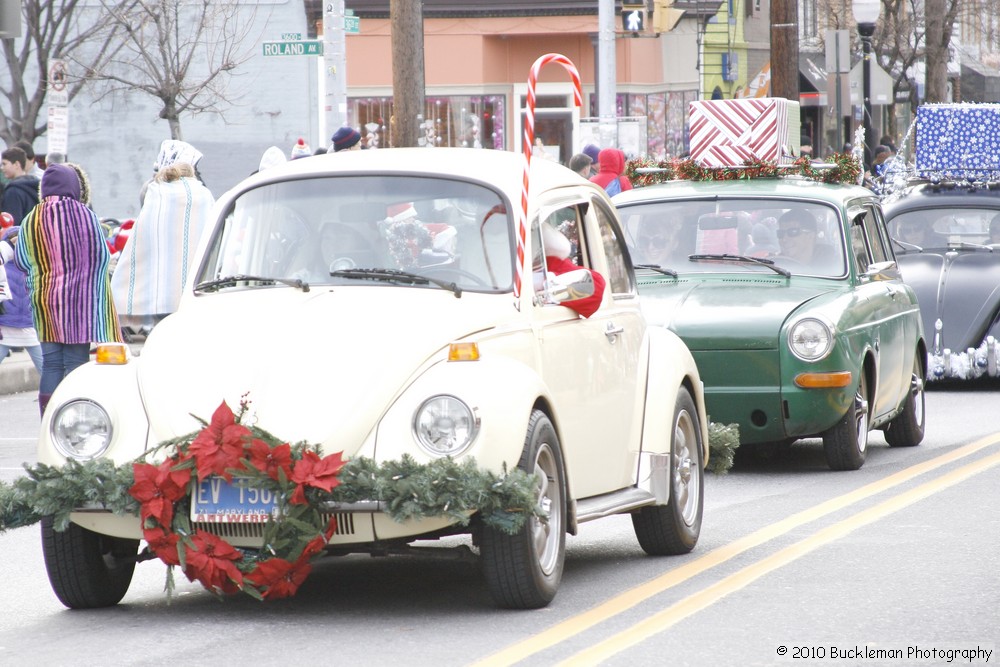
[17, 374]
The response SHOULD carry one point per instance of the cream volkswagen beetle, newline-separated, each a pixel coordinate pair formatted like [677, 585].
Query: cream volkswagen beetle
[369, 302]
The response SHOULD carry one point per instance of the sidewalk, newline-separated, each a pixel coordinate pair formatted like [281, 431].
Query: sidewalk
[17, 374]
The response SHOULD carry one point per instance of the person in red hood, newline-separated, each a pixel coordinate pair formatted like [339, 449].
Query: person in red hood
[611, 175]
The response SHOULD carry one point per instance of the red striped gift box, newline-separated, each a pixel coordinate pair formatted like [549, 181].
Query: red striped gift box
[728, 133]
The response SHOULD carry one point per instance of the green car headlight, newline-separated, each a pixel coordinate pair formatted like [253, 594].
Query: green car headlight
[810, 339]
[81, 430]
[445, 426]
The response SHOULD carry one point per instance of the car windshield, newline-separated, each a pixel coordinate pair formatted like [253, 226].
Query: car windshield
[408, 231]
[733, 235]
[944, 227]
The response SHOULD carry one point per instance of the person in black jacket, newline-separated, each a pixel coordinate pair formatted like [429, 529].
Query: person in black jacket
[21, 193]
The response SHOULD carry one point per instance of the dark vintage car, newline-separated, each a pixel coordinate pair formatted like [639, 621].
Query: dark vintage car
[947, 242]
[827, 346]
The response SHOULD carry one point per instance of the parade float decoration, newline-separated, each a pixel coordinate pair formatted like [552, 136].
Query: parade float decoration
[725, 133]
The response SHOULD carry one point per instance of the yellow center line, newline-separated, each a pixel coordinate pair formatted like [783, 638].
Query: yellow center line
[677, 612]
[620, 603]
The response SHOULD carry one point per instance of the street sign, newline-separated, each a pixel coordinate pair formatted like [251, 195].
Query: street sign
[57, 94]
[352, 24]
[57, 130]
[305, 47]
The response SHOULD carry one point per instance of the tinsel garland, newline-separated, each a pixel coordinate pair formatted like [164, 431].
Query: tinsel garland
[845, 169]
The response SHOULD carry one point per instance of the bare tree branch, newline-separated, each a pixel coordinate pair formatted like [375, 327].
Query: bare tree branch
[184, 54]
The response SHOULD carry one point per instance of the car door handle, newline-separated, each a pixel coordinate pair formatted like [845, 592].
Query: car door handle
[611, 330]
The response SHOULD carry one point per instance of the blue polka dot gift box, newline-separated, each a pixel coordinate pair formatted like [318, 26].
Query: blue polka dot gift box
[958, 141]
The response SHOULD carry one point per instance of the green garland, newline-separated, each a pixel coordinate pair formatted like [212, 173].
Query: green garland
[844, 170]
[407, 489]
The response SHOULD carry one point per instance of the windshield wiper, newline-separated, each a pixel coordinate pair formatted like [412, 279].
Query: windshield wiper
[769, 263]
[907, 246]
[658, 269]
[213, 285]
[397, 276]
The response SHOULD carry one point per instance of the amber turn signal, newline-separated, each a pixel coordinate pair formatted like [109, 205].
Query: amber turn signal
[463, 352]
[112, 354]
[823, 380]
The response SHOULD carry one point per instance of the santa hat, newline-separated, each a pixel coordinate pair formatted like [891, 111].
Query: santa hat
[400, 212]
[556, 245]
[301, 149]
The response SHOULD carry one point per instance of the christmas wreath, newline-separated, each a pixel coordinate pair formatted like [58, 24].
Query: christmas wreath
[298, 476]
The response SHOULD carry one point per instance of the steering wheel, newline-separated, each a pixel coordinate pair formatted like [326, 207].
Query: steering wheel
[442, 271]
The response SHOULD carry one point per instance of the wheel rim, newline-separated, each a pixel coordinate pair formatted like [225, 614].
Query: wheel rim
[547, 529]
[687, 490]
[861, 415]
[917, 389]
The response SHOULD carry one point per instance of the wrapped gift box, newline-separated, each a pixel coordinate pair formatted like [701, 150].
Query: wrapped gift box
[728, 133]
[957, 140]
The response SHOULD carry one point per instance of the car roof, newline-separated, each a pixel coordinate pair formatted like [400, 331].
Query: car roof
[501, 169]
[943, 195]
[760, 187]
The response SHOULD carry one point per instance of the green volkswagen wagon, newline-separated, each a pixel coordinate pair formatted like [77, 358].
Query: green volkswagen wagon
[787, 292]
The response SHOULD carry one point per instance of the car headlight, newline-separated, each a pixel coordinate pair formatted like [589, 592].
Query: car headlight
[81, 430]
[445, 426]
[810, 339]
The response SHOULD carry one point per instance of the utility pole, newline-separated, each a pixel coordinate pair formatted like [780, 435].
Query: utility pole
[335, 64]
[406, 21]
[785, 49]
[607, 72]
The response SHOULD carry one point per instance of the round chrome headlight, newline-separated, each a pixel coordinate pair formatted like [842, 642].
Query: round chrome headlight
[810, 339]
[445, 426]
[81, 430]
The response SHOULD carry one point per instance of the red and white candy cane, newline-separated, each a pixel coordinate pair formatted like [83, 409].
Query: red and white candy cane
[528, 144]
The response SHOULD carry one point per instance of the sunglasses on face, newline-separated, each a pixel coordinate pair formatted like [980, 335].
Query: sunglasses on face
[792, 232]
[658, 242]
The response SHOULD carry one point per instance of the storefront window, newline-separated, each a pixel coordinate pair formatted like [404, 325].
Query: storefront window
[471, 121]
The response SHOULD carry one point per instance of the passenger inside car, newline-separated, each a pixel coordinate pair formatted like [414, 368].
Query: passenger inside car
[919, 231]
[658, 242]
[797, 241]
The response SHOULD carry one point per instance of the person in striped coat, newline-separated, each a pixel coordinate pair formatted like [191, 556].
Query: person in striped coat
[62, 249]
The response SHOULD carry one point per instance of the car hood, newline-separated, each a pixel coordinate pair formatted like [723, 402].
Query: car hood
[738, 314]
[960, 288]
[320, 366]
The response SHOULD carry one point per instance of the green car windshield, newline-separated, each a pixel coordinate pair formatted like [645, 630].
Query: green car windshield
[693, 235]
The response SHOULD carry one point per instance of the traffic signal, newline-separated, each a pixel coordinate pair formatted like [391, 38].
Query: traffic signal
[10, 19]
[665, 17]
[633, 18]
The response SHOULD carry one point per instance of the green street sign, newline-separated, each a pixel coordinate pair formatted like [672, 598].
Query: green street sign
[352, 24]
[298, 48]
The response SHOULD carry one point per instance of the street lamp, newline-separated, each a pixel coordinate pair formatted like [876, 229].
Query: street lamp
[865, 15]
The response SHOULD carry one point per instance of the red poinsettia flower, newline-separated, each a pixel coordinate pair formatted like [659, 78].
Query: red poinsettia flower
[157, 488]
[270, 460]
[212, 561]
[279, 578]
[163, 544]
[317, 544]
[219, 446]
[316, 472]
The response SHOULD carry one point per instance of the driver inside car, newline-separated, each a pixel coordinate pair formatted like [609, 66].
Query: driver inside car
[558, 251]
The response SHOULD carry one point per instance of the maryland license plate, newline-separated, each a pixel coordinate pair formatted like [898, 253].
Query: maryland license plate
[218, 501]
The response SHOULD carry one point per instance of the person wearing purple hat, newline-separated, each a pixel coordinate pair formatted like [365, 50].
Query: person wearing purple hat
[62, 249]
[346, 139]
[593, 151]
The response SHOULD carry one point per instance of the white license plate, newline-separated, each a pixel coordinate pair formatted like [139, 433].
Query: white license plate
[217, 501]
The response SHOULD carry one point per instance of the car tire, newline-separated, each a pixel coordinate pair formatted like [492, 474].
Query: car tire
[846, 442]
[523, 570]
[907, 428]
[86, 569]
[674, 528]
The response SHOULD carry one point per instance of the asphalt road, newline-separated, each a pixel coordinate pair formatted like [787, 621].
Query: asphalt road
[895, 564]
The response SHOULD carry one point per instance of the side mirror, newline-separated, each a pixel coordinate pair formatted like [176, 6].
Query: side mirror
[881, 271]
[571, 285]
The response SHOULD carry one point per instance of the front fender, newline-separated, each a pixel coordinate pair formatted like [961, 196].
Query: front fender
[671, 366]
[500, 391]
[116, 389]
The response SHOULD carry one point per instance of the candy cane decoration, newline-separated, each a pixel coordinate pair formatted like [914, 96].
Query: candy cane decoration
[528, 144]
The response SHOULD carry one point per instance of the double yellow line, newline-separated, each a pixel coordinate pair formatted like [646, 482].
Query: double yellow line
[661, 621]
